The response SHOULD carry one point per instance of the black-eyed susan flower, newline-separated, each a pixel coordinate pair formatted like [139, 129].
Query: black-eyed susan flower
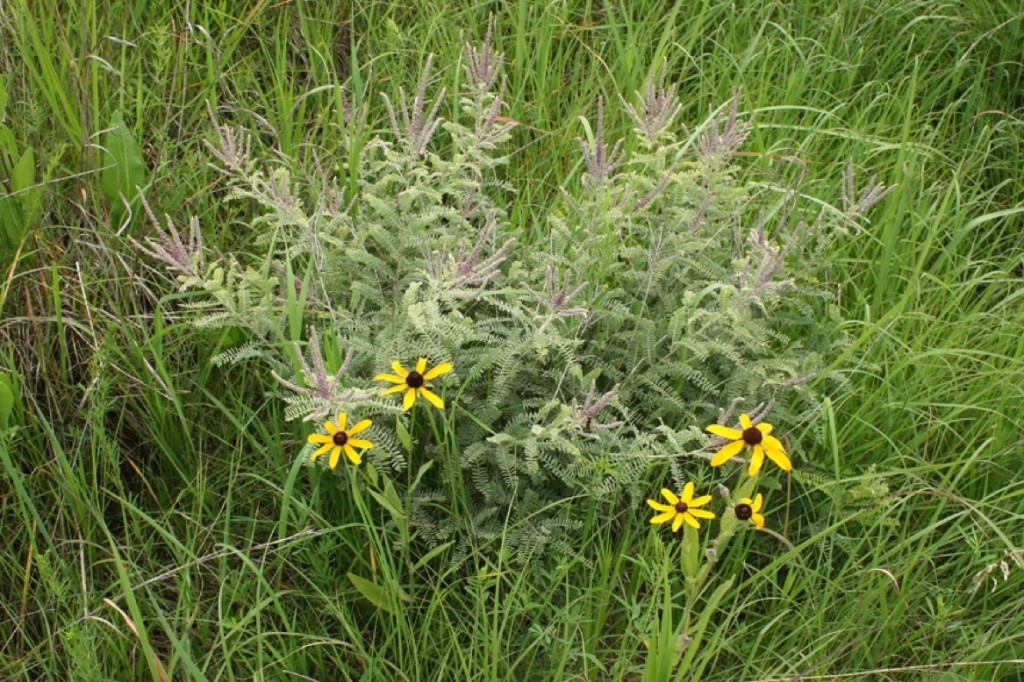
[338, 439]
[759, 440]
[415, 382]
[748, 509]
[683, 508]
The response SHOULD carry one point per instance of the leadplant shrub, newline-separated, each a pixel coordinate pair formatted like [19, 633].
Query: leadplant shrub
[662, 292]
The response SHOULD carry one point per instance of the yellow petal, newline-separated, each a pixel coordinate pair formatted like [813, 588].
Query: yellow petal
[687, 493]
[764, 428]
[699, 502]
[335, 455]
[395, 389]
[725, 432]
[670, 496]
[342, 418]
[756, 460]
[321, 451]
[727, 453]
[331, 428]
[388, 377]
[777, 453]
[359, 443]
[409, 400]
[662, 518]
[677, 523]
[660, 507]
[421, 365]
[745, 421]
[772, 441]
[701, 513]
[756, 504]
[758, 521]
[399, 370]
[352, 455]
[319, 438]
[689, 518]
[360, 426]
[443, 368]
[432, 397]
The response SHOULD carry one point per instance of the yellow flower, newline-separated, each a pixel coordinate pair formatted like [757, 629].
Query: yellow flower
[748, 509]
[415, 382]
[757, 437]
[682, 508]
[337, 439]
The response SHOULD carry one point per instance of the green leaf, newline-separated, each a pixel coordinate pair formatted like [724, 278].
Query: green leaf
[396, 514]
[371, 473]
[296, 300]
[13, 223]
[124, 168]
[23, 175]
[419, 474]
[390, 501]
[8, 148]
[373, 592]
[425, 559]
[6, 401]
[691, 549]
[403, 435]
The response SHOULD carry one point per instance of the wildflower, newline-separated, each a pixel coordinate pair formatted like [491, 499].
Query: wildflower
[338, 438]
[748, 509]
[757, 437]
[682, 508]
[415, 381]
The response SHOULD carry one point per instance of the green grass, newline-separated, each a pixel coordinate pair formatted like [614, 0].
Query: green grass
[155, 523]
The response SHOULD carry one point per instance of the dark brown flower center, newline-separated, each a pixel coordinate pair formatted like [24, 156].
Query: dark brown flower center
[340, 438]
[752, 436]
[414, 379]
[743, 511]
[681, 507]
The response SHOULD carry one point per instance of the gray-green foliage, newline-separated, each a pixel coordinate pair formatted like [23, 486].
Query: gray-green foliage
[666, 291]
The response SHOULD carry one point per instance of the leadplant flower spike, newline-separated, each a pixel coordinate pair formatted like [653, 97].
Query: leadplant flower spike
[659, 108]
[601, 161]
[338, 439]
[747, 510]
[723, 138]
[186, 255]
[319, 382]
[681, 509]
[417, 127]
[757, 438]
[556, 299]
[415, 382]
[583, 417]
[483, 64]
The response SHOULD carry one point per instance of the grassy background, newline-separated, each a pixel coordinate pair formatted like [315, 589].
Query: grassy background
[153, 521]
